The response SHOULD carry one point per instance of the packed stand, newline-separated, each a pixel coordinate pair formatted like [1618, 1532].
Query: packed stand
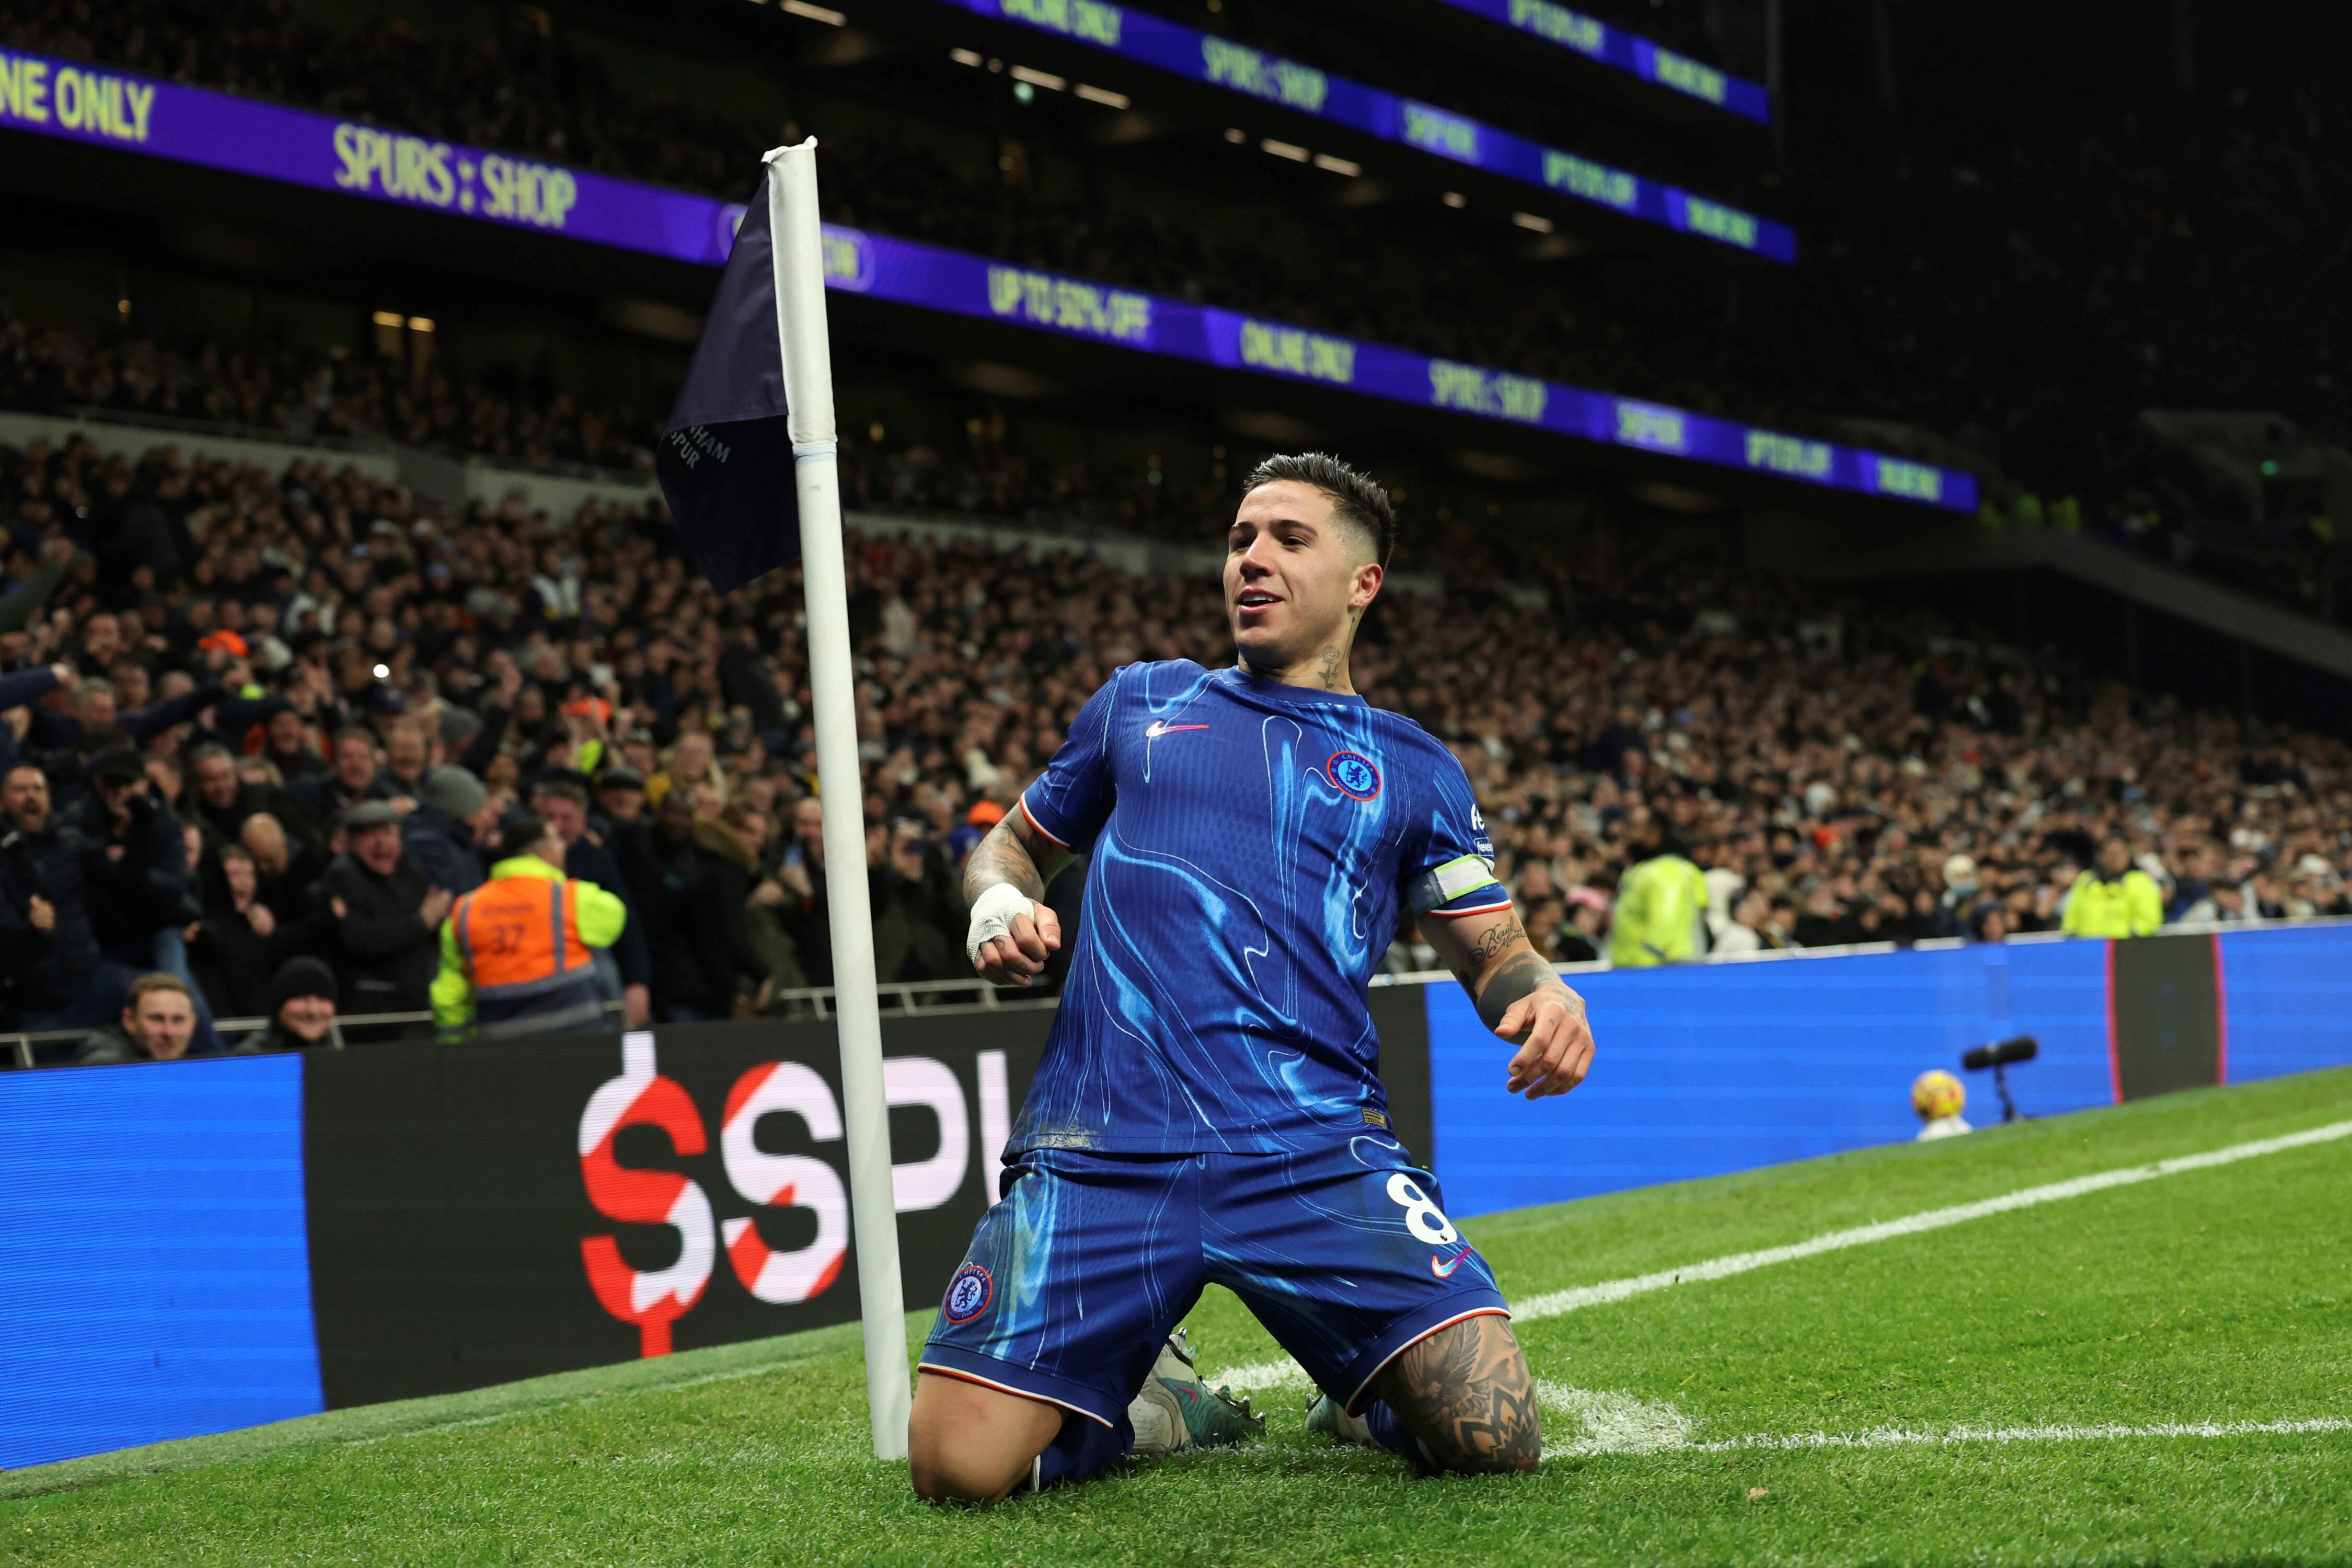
[529, 89]
[262, 731]
[537, 93]
[307, 397]
[1947, 264]
[1823, 774]
[277, 392]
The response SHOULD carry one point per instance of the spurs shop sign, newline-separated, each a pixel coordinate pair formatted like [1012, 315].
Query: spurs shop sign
[504, 1210]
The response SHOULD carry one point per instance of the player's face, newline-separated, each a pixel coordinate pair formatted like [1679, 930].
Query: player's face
[1293, 572]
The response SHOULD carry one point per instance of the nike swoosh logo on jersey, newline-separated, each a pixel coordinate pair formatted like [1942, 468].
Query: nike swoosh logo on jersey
[1446, 1272]
[1160, 727]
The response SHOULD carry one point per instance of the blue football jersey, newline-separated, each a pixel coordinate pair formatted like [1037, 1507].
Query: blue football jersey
[1252, 845]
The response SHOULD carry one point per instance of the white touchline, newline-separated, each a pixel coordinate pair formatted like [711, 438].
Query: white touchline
[1895, 1438]
[1607, 1422]
[1276, 1373]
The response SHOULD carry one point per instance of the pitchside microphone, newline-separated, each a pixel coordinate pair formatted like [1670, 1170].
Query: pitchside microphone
[2002, 1053]
[2000, 1056]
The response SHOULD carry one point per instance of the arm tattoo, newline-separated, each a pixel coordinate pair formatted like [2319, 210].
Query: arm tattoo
[1517, 977]
[1487, 948]
[1001, 858]
[1465, 1392]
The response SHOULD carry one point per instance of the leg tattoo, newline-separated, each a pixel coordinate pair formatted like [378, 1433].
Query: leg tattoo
[1465, 1392]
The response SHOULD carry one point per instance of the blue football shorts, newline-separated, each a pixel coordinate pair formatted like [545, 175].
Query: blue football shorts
[1075, 1279]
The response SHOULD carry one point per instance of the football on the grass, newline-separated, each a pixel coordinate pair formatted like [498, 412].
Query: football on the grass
[1936, 1094]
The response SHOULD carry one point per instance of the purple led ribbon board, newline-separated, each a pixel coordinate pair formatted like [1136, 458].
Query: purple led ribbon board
[1219, 62]
[191, 125]
[1627, 52]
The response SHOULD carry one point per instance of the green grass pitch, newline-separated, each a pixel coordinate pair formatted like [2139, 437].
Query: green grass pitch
[2217, 1298]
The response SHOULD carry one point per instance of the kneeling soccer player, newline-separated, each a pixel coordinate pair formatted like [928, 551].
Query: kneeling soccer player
[1208, 1107]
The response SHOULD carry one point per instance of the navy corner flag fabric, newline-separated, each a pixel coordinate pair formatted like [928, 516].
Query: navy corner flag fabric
[726, 457]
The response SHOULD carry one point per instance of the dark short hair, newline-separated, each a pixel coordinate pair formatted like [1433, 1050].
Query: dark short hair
[571, 790]
[1353, 496]
[520, 835]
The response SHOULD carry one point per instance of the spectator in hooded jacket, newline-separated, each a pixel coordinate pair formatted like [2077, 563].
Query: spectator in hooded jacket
[454, 816]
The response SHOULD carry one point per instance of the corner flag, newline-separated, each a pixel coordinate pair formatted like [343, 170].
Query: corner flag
[725, 460]
[750, 453]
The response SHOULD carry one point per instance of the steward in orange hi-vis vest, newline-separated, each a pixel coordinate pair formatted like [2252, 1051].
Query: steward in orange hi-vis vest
[516, 952]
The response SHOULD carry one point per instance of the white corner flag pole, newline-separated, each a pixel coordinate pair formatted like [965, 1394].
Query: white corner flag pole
[808, 391]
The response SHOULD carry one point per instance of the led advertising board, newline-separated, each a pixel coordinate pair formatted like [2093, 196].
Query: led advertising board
[88, 104]
[1205, 57]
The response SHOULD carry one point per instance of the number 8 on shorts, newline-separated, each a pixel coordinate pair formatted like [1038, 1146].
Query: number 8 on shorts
[1421, 1215]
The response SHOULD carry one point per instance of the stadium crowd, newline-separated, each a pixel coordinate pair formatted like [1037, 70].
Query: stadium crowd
[261, 729]
[49, 369]
[2168, 262]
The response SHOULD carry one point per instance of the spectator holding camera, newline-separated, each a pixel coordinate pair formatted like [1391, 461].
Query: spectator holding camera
[52, 875]
[919, 912]
[144, 898]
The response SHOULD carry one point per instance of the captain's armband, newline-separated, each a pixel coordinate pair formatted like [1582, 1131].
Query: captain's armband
[1443, 884]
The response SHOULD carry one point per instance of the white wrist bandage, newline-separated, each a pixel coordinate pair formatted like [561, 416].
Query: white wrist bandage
[992, 914]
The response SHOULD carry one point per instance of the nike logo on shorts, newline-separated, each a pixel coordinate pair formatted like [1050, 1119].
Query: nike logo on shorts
[1160, 727]
[1446, 1271]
